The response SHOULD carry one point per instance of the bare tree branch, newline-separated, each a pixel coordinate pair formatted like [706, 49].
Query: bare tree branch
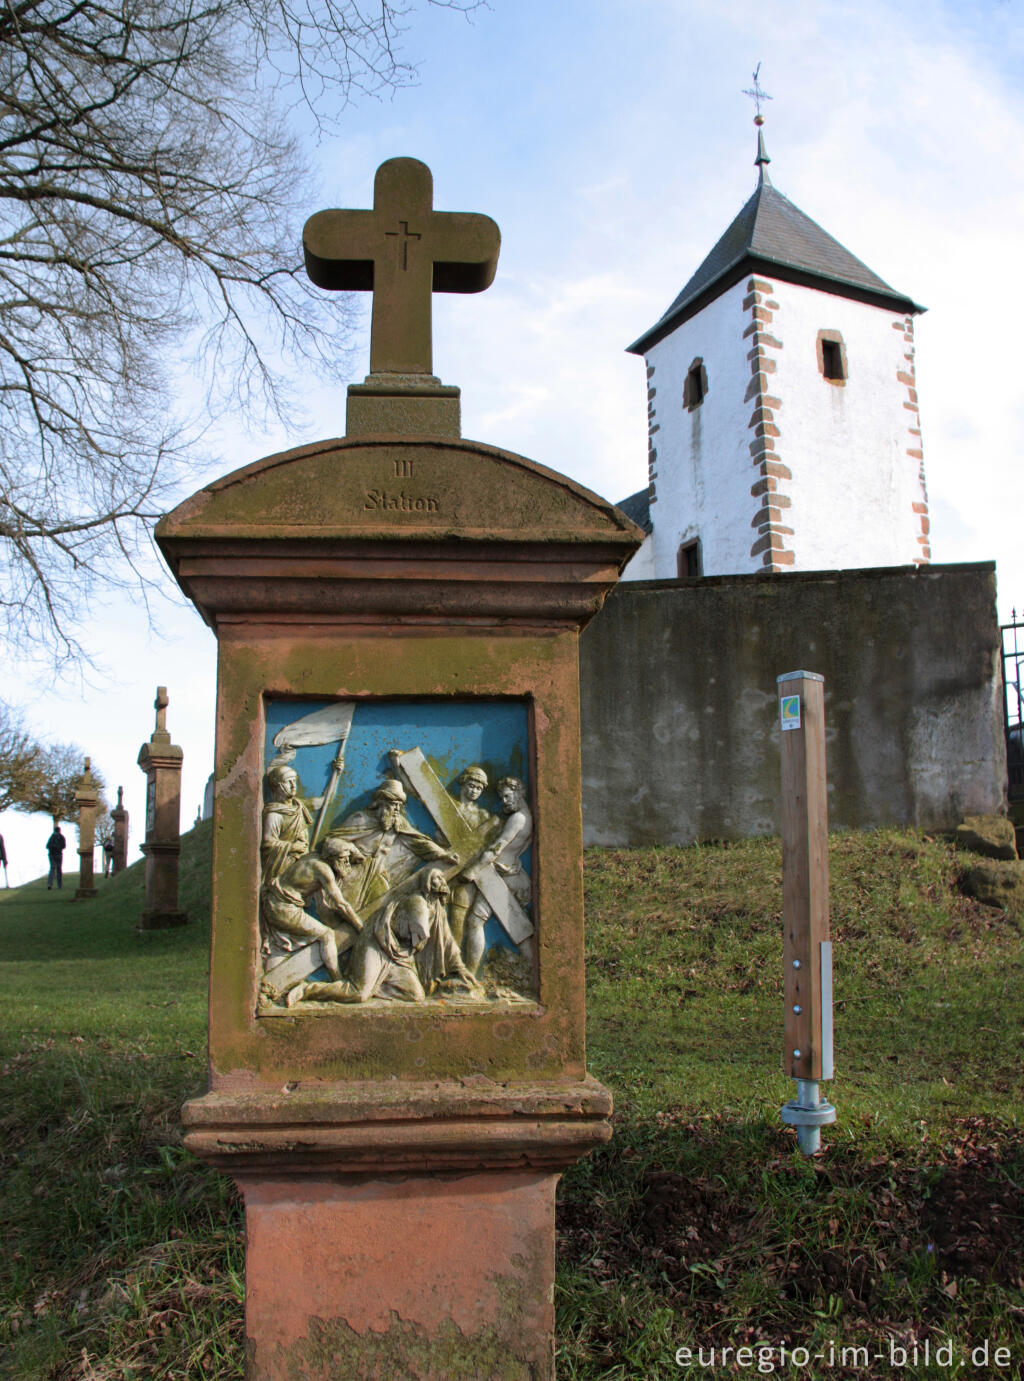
[151, 195]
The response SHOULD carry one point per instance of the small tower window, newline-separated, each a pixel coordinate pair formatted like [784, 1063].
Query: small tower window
[832, 357]
[688, 560]
[696, 386]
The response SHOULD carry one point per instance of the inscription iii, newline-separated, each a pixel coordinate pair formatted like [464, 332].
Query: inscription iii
[402, 502]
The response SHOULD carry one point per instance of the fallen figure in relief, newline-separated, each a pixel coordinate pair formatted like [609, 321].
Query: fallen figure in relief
[404, 955]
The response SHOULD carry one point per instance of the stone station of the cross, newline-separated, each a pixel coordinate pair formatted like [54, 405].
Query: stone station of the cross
[397, 1064]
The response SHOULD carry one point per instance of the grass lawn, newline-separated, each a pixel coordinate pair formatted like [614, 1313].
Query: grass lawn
[699, 1227]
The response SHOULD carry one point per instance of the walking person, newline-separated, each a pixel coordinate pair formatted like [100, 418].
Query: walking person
[55, 846]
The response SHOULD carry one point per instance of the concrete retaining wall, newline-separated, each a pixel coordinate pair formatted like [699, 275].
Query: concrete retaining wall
[680, 736]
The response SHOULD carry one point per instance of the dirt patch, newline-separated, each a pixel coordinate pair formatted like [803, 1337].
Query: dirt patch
[683, 1221]
[846, 1233]
[975, 1212]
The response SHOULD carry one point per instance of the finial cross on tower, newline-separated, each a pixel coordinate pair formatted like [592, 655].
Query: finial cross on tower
[402, 251]
[757, 96]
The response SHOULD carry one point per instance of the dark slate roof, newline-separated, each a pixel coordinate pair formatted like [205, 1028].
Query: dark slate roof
[773, 236]
[638, 507]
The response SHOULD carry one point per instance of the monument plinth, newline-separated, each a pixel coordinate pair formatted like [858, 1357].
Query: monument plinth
[396, 993]
[161, 760]
[87, 795]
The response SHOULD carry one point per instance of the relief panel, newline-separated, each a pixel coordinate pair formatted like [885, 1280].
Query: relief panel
[395, 855]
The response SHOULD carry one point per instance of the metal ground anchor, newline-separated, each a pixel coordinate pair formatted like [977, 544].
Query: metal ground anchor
[808, 1113]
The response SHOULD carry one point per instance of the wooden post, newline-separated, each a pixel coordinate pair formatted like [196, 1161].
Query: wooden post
[807, 948]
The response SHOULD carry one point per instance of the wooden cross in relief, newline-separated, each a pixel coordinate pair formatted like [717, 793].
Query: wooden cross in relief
[402, 251]
[464, 841]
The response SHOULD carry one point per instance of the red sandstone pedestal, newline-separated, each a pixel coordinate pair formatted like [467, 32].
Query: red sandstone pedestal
[398, 1161]
[120, 818]
[161, 760]
[88, 797]
[413, 1238]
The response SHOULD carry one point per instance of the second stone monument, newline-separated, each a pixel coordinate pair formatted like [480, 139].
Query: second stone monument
[397, 1068]
[161, 761]
[87, 796]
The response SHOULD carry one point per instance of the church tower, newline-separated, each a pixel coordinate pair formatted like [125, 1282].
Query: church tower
[784, 432]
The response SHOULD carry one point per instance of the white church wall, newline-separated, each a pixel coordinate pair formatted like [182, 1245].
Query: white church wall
[641, 564]
[853, 448]
[700, 459]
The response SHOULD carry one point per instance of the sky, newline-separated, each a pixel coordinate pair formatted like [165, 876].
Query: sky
[613, 145]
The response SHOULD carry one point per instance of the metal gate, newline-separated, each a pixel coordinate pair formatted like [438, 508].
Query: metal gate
[1013, 703]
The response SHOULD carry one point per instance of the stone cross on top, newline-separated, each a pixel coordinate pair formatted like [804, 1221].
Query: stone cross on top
[160, 705]
[402, 251]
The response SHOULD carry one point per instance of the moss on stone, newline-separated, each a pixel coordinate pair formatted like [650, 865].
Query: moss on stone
[998, 883]
[333, 1349]
[992, 836]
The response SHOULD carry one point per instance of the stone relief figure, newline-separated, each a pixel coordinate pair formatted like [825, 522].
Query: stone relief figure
[472, 783]
[393, 847]
[286, 821]
[439, 961]
[514, 839]
[403, 955]
[288, 926]
[505, 853]
[289, 829]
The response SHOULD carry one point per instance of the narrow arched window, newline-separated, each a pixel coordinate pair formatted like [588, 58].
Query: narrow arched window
[696, 386]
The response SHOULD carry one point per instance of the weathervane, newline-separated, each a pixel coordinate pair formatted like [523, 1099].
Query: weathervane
[757, 96]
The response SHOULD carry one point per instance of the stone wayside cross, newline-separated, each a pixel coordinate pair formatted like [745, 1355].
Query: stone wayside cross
[88, 798]
[403, 251]
[161, 760]
[399, 1159]
[120, 818]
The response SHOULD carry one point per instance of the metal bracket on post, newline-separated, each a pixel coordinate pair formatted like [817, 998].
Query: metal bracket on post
[807, 1055]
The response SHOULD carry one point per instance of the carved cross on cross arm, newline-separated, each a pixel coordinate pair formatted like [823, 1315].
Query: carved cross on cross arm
[402, 251]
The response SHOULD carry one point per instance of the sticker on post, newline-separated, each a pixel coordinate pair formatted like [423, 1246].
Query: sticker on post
[789, 711]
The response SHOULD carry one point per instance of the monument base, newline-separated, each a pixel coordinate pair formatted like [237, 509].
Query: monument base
[426, 1278]
[161, 920]
[401, 1231]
